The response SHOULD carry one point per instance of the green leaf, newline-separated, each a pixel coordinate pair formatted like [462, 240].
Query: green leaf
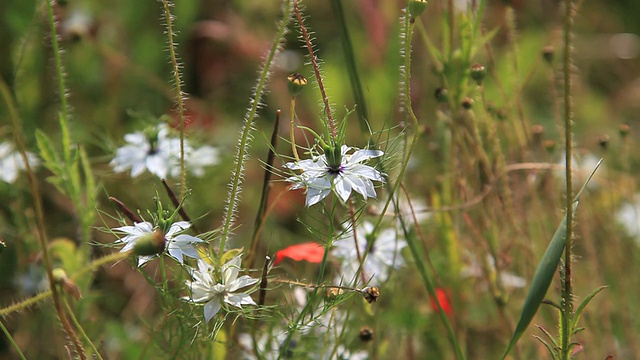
[583, 305]
[48, 153]
[544, 273]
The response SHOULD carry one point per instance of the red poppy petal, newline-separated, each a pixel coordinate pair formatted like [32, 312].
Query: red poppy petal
[309, 251]
[443, 299]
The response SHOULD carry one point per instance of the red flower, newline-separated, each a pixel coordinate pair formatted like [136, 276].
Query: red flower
[443, 299]
[309, 251]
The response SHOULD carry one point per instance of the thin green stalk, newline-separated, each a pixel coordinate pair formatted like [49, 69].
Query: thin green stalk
[35, 190]
[96, 353]
[567, 286]
[243, 143]
[13, 342]
[179, 95]
[45, 294]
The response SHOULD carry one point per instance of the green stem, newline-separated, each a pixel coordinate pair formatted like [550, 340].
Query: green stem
[179, 95]
[45, 294]
[567, 290]
[243, 144]
[13, 342]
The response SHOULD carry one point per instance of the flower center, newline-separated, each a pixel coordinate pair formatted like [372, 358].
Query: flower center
[335, 170]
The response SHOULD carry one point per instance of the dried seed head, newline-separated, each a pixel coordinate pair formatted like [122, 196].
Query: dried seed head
[538, 132]
[478, 73]
[297, 82]
[623, 130]
[604, 141]
[549, 145]
[371, 294]
[548, 53]
[467, 103]
[442, 95]
[150, 244]
[366, 334]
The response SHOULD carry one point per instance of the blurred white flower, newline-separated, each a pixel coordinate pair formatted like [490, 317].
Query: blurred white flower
[196, 160]
[384, 255]
[320, 177]
[158, 153]
[152, 152]
[629, 217]
[177, 245]
[204, 289]
[475, 269]
[11, 162]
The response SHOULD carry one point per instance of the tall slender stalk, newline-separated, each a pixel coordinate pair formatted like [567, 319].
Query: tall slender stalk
[245, 135]
[567, 286]
[175, 67]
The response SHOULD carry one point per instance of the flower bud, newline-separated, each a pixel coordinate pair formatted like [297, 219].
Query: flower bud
[442, 95]
[371, 294]
[297, 82]
[417, 7]
[478, 73]
[150, 244]
[60, 277]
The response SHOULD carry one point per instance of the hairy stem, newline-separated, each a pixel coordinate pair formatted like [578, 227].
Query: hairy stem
[179, 95]
[316, 68]
[567, 290]
[243, 143]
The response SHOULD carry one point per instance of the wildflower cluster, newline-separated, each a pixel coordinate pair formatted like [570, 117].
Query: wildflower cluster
[156, 151]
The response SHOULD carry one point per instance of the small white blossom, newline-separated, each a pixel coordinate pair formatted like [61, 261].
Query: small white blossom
[629, 217]
[320, 178]
[11, 162]
[383, 256]
[204, 289]
[177, 245]
[474, 269]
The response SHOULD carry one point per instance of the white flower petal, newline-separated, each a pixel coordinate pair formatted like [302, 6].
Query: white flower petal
[211, 309]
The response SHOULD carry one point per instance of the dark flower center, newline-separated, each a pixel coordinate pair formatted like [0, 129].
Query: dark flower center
[335, 170]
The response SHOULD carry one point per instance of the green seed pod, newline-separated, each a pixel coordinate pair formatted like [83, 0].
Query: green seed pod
[478, 73]
[150, 244]
[417, 7]
[297, 82]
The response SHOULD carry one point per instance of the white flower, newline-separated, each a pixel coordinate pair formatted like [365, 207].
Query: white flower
[384, 255]
[319, 177]
[11, 162]
[474, 269]
[629, 217]
[196, 160]
[159, 153]
[177, 246]
[143, 153]
[204, 289]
